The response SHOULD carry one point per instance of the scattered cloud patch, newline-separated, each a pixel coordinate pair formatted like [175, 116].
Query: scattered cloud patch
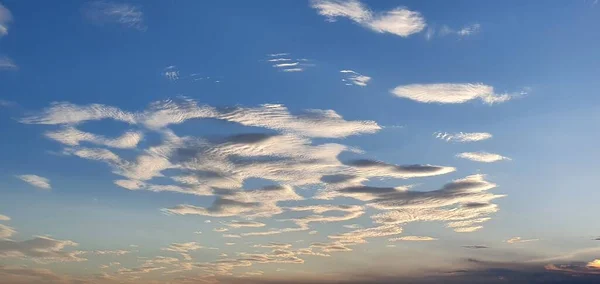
[465, 31]
[283, 62]
[451, 93]
[399, 21]
[354, 78]
[35, 180]
[41, 249]
[6, 232]
[4, 218]
[476, 247]
[483, 157]
[127, 15]
[463, 137]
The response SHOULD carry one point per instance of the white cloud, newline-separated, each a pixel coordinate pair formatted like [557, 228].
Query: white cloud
[399, 21]
[110, 252]
[355, 78]
[462, 136]
[73, 137]
[449, 93]
[516, 240]
[5, 18]
[35, 180]
[293, 70]
[413, 239]
[220, 230]
[7, 63]
[358, 236]
[483, 157]
[127, 15]
[4, 218]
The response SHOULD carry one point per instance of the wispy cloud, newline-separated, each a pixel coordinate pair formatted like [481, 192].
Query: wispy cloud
[475, 247]
[516, 240]
[462, 32]
[7, 64]
[35, 180]
[463, 137]
[125, 14]
[399, 21]
[171, 73]
[284, 63]
[449, 93]
[354, 78]
[5, 19]
[41, 249]
[483, 157]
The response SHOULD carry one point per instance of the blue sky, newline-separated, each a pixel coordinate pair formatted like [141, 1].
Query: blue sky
[325, 140]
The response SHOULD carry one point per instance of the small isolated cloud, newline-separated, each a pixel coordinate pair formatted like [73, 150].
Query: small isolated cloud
[4, 218]
[35, 180]
[520, 240]
[285, 63]
[7, 64]
[465, 31]
[220, 230]
[463, 137]
[413, 239]
[399, 21]
[103, 12]
[171, 73]
[476, 247]
[354, 78]
[5, 19]
[451, 93]
[483, 157]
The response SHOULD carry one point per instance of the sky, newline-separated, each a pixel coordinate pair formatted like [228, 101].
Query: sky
[320, 141]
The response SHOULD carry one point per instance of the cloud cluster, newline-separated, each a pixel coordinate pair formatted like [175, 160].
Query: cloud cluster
[103, 12]
[399, 21]
[463, 137]
[355, 78]
[450, 93]
[35, 180]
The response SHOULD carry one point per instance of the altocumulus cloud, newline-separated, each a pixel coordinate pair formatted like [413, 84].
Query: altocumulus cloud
[35, 180]
[399, 21]
[483, 157]
[451, 93]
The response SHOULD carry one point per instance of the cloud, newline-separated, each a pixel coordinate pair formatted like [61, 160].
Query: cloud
[7, 63]
[6, 232]
[244, 224]
[451, 93]
[110, 252]
[594, 264]
[274, 246]
[359, 236]
[483, 157]
[467, 30]
[171, 73]
[41, 249]
[282, 62]
[475, 247]
[355, 78]
[5, 19]
[73, 137]
[17, 274]
[519, 240]
[463, 137]
[4, 218]
[251, 203]
[413, 239]
[220, 229]
[399, 21]
[184, 249]
[127, 15]
[37, 181]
